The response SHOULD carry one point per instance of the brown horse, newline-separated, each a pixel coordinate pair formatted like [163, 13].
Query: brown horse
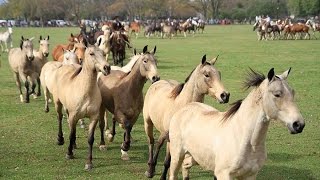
[118, 47]
[85, 102]
[122, 95]
[135, 28]
[79, 48]
[299, 28]
[165, 97]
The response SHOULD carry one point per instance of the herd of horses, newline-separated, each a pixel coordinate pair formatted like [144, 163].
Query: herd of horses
[285, 29]
[83, 83]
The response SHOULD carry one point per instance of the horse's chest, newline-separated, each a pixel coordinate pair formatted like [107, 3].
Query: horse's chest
[249, 164]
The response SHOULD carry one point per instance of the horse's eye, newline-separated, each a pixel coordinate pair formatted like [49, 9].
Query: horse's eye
[277, 95]
[206, 75]
[91, 54]
[145, 61]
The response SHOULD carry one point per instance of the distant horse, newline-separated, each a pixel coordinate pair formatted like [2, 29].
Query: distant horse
[41, 58]
[105, 45]
[165, 97]
[232, 144]
[167, 30]
[47, 76]
[20, 60]
[261, 28]
[135, 28]
[84, 102]
[201, 25]
[5, 38]
[299, 28]
[314, 26]
[187, 26]
[122, 95]
[118, 48]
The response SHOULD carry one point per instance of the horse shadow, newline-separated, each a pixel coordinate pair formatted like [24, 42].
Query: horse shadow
[284, 172]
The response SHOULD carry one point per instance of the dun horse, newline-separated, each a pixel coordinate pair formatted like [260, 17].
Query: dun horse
[69, 78]
[47, 76]
[20, 60]
[122, 95]
[232, 143]
[5, 38]
[165, 97]
[40, 58]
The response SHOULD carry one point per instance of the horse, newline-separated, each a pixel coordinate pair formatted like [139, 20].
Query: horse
[122, 95]
[232, 143]
[299, 28]
[47, 76]
[135, 28]
[187, 26]
[105, 45]
[165, 97]
[41, 58]
[5, 38]
[201, 25]
[167, 30]
[79, 48]
[118, 48]
[85, 102]
[20, 60]
[261, 29]
[314, 26]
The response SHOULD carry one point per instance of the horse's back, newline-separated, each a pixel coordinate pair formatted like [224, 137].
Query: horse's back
[48, 72]
[14, 58]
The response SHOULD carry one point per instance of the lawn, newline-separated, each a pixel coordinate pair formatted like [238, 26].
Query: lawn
[28, 147]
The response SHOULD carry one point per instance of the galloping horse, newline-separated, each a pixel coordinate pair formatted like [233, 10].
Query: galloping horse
[232, 144]
[5, 37]
[135, 28]
[165, 97]
[20, 60]
[122, 96]
[83, 78]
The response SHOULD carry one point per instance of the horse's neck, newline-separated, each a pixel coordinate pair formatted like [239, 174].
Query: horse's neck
[88, 74]
[190, 92]
[135, 80]
[250, 123]
[128, 67]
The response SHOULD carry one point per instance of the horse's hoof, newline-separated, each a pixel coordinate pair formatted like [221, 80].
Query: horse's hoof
[148, 174]
[69, 156]
[50, 101]
[21, 98]
[39, 94]
[125, 155]
[46, 110]
[60, 141]
[34, 96]
[110, 137]
[103, 147]
[88, 167]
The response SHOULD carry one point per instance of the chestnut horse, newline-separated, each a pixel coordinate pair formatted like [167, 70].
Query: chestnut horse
[232, 144]
[78, 46]
[135, 28]
[122, 95]
[165, 97]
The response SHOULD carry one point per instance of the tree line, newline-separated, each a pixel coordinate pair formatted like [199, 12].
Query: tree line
[75, 10]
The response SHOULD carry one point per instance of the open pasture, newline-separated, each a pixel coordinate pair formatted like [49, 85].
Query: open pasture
[28, 147]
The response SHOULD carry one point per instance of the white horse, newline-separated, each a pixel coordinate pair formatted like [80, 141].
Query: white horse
[232, 143]
[5, 38]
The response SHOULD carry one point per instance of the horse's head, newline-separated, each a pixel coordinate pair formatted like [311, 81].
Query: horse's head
[44, 46]
[70, 57]
[80, 49]
[95, 55]
[278, 102]
[255, 25]
[26, 46]
[209, 80]
[148, 65]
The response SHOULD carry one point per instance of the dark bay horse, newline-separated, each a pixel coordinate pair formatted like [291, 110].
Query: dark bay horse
[122, 95]
[118, 47]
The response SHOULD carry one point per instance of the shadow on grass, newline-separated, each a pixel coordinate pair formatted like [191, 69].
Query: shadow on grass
[282, 157]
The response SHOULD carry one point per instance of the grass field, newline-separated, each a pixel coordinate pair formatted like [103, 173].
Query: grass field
[28, 147]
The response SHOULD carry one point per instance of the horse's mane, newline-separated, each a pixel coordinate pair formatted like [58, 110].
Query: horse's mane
[253, 79]
[78, 70]
[177, 90]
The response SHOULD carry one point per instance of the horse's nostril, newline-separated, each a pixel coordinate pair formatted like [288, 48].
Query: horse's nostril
[225, 97]
[297, 126]
[107, 68]
[155, 78]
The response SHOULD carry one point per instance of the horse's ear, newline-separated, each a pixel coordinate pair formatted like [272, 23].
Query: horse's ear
[48, 37]
[145, 49]
[154, 50]
[135, 51]
[271, 74]
[22, 38]
[21, 43]
[214, 60]
[40, 37]
[99, 42]
[285, 74]
[71, 35]
[204, 59]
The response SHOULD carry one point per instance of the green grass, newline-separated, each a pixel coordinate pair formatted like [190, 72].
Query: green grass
[28, 147]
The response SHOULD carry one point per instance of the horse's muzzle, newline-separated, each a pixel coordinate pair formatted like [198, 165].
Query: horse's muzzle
[155, 79]
[46, 54]
[297, 127]
[106, 70]
[225, 97]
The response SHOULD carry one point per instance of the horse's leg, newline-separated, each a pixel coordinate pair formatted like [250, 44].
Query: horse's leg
[166, 163]
[46, 98]
[39, 86]
[186, 165]
[58, 107]
[26, 85]
[148, 127]
[127, 140]
[6, 44]
[18, 83]
[72, 137]
[176, 160]
[102, 145]
[92, 127]
[162, 138]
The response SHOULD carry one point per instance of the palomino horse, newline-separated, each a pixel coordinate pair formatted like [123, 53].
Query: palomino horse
[122, 95]
[47, 76]
[167, 30]
[40, 58]
[5, 38]
[165, 97]
[78, 46]
[118, 48]
[20, 60]
[69, 78]
[232, 143]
